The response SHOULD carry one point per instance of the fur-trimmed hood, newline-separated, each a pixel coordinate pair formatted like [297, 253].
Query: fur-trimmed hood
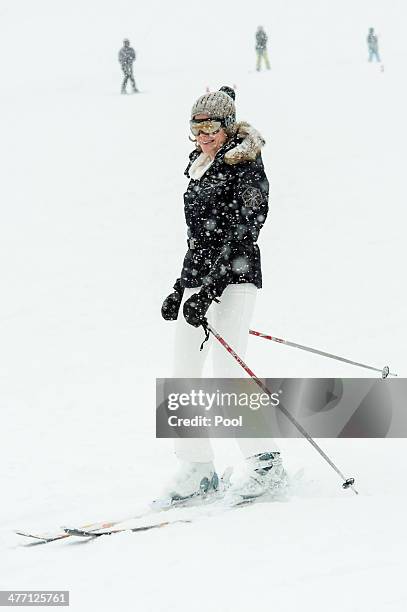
[250, 146]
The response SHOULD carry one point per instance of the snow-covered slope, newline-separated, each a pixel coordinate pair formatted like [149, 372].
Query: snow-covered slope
[91, 240]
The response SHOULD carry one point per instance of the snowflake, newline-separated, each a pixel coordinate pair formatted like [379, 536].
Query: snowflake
[210, 224]
[240, 265]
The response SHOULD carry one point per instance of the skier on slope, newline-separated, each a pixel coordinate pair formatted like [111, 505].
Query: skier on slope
[127, 56]
[261, 48]
[225, 205]
[373, 45]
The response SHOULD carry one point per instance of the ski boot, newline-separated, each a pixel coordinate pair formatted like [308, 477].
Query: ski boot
[192, 480]
[264, 475]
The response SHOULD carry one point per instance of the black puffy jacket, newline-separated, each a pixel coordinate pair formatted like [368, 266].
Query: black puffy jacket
[225, 210]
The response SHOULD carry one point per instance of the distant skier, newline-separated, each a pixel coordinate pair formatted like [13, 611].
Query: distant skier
[261, 48]
[373, 45]
[127, 56]
[225, 205]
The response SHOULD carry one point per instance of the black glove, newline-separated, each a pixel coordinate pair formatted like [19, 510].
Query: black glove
[171, 304]
[196, 307]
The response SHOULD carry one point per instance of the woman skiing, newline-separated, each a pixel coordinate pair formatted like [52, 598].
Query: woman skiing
[226, 205]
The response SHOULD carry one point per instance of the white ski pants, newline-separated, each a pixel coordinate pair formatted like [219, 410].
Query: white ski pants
[231, 318]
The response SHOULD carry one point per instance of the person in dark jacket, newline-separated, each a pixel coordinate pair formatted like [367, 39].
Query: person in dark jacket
[225, 205]
[127, 56]
[261, 48]
[373, 45]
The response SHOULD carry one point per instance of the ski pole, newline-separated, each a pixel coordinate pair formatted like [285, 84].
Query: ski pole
[385, 372]
[346, 482]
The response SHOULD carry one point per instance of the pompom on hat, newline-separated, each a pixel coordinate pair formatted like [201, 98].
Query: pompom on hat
[217, 105]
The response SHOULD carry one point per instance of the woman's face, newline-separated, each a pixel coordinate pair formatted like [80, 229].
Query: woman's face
[211, 143]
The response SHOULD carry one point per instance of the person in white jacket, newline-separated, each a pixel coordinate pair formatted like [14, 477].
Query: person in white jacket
[373, 45]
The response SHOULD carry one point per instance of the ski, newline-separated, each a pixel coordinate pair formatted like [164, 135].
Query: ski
[42, 538]
[63, 532]
[82, 533]
[45, 538]
[89, 528]
[202, 507]
[193, 503]
[239, 502]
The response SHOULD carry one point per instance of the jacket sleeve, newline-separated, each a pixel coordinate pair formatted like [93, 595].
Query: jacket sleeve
[251, 196]
[251, 193]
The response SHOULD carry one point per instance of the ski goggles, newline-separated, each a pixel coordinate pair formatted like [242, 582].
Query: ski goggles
[206, 126]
